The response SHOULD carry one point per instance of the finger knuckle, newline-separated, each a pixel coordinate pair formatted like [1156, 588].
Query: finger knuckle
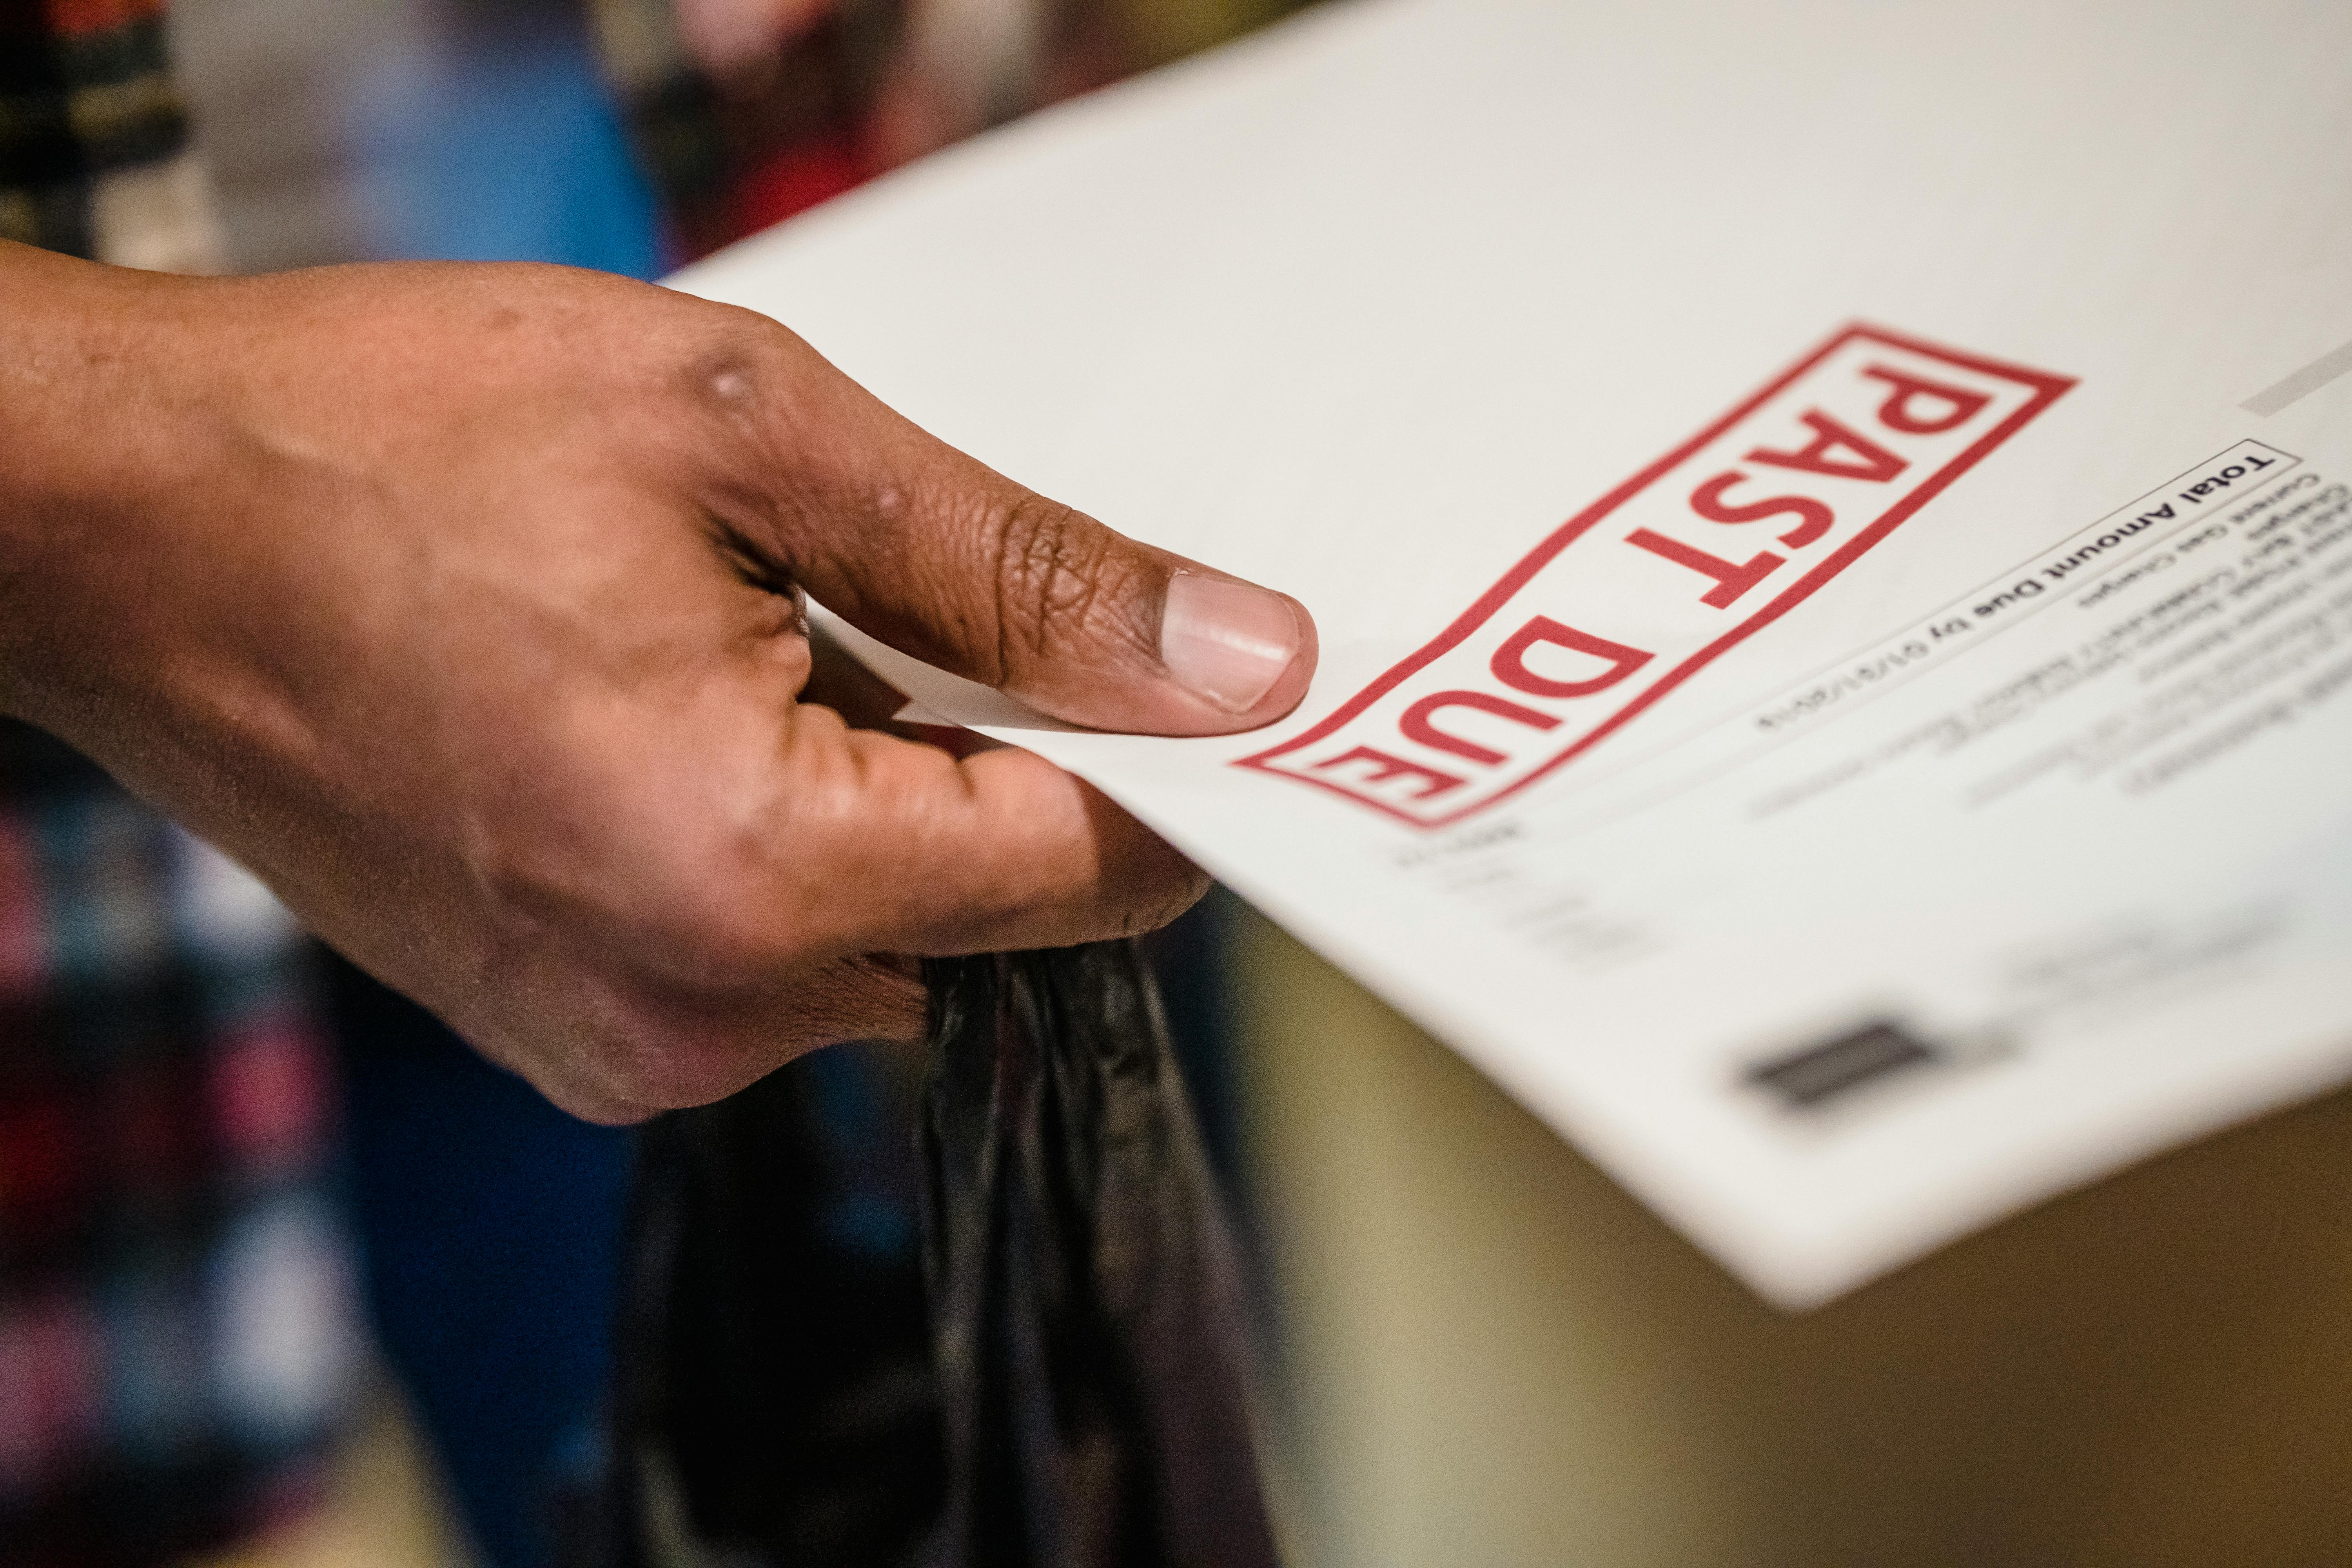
[1060, 583]
[739, 363]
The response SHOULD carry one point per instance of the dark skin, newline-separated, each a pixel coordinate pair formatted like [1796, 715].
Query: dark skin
[458, 602]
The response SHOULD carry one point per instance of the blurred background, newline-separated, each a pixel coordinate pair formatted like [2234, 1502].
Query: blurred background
[288, 1277]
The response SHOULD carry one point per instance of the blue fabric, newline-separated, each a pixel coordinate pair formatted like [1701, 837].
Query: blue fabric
[491, 1222]
[511, 154]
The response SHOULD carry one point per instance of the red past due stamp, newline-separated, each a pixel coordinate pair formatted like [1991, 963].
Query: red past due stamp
[1632, 595]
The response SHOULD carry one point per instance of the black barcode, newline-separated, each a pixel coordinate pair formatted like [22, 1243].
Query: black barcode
[1818, 1074]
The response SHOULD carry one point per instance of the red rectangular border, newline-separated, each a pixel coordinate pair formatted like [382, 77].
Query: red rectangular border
[2047, 389]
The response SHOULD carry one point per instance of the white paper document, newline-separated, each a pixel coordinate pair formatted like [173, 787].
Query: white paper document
[1831, 528]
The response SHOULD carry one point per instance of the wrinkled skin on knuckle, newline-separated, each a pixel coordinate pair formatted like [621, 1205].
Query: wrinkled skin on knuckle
[1063, 587]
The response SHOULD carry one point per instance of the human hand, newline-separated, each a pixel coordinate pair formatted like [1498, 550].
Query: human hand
[458, 602]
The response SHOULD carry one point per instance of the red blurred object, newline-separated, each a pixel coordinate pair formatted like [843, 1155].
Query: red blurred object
[41, 1174]
[846, 89]
[154, 1138]
[49, 1413]
[797, 179]
[79, 18]
[24, 937]
[269, 1093]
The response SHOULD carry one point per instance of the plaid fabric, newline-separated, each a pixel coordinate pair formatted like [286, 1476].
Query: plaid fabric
[178, 1336]
[94, 156]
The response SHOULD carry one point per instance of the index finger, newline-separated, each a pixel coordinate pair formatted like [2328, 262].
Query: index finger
[922, 852]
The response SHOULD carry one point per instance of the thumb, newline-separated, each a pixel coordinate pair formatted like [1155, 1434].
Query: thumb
[942, 557]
